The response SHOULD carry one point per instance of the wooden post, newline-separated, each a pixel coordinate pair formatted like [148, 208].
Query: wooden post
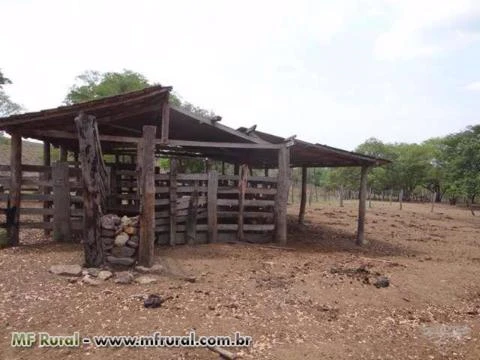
[212, 206]
[303, 199]
[223, 167]
[63, 154]
[283, 184]
[341, 195]
[95, 187]
[400, 199]
[62, 228]
[242, 188]
[13, 211]
[266, 171]
[147, 198]
[173, 201]
[191, 226]
[362, 206]
[46, 176]
[165, 121]
[236, 168]
[434, 196]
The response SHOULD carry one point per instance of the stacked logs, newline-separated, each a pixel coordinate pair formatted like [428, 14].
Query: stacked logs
[120, 239]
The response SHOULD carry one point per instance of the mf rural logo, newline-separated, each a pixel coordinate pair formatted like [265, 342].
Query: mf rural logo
[44, 339]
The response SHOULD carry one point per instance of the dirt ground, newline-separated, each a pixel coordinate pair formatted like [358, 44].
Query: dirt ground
[317, 301]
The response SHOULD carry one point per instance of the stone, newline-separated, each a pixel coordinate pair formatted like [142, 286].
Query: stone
[382, 282]
[146, 279]
[130, 230]
[68, 270]
[132, 244]
[107, 240]
[123, 277]
[93, 272]
[121, 239]
[108, 233]
[90, 281]
[120, 261]
[109, 221]
[123, 251]
[125, 221]
[155, 269]
[104, 275]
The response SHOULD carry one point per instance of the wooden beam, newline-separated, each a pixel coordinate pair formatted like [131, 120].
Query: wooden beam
[62, 229]
[173, 200]
[191, 225]
[94, 187]
[303, 200]
[212, 206]
[283, 184]
[362, 206]
[13, 210]
[147, 200]
[59, 134]
[214, 144]
[165, 122]
[45, 177]
[242, 187]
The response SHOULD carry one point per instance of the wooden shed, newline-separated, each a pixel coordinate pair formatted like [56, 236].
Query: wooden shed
[109, 151]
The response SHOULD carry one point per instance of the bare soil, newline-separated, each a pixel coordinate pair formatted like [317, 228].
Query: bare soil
[317, 301]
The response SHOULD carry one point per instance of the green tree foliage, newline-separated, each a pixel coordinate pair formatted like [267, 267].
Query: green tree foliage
[7, 106]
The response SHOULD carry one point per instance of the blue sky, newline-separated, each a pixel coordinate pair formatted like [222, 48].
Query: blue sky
[333, 72]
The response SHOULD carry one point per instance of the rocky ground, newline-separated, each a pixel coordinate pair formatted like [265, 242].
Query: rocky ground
[318, 300]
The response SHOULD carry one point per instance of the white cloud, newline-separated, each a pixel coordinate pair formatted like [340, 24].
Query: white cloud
[427, 27]
[473, 86]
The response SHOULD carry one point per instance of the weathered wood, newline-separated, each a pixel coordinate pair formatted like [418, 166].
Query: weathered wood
[215, 144]
[173, 200]
[212, 206]
[341, 195]
[283, 184]
[94, 187]
[164, 137]
[61, 203]
[13, 210]
[191, 233]
[147, 197]
[236, 170]
[66, 135]
[266, 171]
[253, 202]
[46, 177]
[223, 167]
[63, 154]
[242, 186]
[303, 198]
[362, 206]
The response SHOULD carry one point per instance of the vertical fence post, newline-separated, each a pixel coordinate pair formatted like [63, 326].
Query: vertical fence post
[362, 206]
[242, 188]
[46, 176]
[281, 199]
[13, 211]
[212, 206]
[173, 201]
[62, 228]
[147, 199]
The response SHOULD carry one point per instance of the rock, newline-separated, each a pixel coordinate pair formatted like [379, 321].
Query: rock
[120, 261]
[155, 301]
[93, 272]
[123, 277]
[130, 230]
[69, 270]
[107, 240]
[109, 221]
[104, 275]
[155, 269]
[382, 282]
[146, 279]
[108, 233]
[125, 221]
[123, 251]
[133, 242]
[190, 279]
[90, 281]
[121, 239]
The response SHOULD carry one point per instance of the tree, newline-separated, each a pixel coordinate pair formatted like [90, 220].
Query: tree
[7, 106]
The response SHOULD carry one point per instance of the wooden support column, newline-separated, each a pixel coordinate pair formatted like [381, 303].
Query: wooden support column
[63, 154]
[283, 184]
[13, 211]
[341, 195]
[62, 228]
[266, 171]
[223, 167]
[362, 206]
[242, 188]
[173, 200]
[212, 206]
[147, 198]
[46, 176]
[191, 226]
[165, 121]
[303, 200]
[236, 169]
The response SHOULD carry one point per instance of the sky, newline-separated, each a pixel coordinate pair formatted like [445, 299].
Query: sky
[331, 72]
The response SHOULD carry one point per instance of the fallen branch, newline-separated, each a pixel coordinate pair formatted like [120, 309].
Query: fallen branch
[224, 354]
